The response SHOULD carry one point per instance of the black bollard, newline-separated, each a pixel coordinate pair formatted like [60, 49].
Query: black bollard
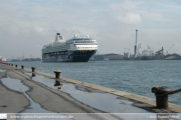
[57, 73]
[12, 64]
[33, 69]
[161, 93]
[16, 66]
[22, 66]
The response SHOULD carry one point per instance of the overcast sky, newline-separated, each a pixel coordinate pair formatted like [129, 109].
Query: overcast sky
[27, 25]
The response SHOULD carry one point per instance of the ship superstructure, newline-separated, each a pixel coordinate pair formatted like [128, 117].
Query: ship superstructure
[159, 54]
[148, 54]
[76, 49]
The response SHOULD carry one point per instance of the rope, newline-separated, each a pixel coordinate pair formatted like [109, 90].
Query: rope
[175, 91]
[169, 93]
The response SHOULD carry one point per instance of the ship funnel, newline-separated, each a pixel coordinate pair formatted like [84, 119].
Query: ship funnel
[59, 38]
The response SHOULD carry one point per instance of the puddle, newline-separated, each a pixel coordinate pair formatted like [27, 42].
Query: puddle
[2, 70]
[17, 85]
[102, 101]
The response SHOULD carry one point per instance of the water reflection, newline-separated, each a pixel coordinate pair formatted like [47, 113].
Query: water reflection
[33, 75]
[2, 70]
[57, 84]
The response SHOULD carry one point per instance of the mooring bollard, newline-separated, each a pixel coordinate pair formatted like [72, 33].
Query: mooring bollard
[33, 69]
[16, 66]
[161, 93]
[57, 73]
[9, 64]
[22, 66]
[12, 64]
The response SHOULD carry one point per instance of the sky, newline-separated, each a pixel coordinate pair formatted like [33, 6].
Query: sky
[27, 25]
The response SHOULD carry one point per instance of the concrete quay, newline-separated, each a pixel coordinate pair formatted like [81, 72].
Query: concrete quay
[61, 102]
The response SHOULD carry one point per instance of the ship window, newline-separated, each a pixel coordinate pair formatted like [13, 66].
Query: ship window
[69, 41]
[60, 37]
[81, 39]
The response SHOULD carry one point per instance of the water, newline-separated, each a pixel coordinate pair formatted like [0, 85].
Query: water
[136, 77]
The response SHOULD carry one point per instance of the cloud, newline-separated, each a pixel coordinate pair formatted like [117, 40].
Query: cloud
[130, 18]
[39, 29]
[111, 23]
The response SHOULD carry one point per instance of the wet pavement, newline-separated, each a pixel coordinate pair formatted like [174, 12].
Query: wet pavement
[105, 102]
[17, 85]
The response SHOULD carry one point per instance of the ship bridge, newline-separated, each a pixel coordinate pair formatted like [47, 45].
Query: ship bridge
[82, 41]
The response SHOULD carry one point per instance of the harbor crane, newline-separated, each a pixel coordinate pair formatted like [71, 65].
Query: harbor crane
[127, 51]
[137, 51]
[135, 47]
[170, 48]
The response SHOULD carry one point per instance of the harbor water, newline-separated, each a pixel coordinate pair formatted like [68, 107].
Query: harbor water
[136, 77]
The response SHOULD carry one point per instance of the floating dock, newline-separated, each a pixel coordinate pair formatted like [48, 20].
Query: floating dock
[25, 91]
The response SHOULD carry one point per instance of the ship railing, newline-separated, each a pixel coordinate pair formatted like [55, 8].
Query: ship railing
[85, 41]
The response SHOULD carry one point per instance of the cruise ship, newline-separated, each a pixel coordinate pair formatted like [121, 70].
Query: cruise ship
[76, 49]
